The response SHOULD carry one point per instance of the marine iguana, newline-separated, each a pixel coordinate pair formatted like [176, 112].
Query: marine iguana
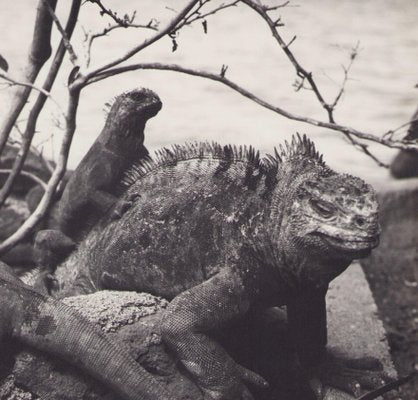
[89, 192]
[223, 233]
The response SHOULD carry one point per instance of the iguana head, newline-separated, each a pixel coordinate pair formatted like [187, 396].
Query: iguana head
[131, 110]
[335, 214]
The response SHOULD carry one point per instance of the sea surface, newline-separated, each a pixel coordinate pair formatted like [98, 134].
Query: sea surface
[380, 92]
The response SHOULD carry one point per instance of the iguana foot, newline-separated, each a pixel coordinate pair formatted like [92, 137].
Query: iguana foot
[353, 376]
[234, 388]
[46, 283]
[51, 247]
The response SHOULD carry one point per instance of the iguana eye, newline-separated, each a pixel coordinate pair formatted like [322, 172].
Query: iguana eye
[326, 210]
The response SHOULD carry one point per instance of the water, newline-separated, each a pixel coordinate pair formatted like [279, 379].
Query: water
[380, 94]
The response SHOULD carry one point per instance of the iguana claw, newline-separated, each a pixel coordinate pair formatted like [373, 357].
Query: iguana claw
[353, 376]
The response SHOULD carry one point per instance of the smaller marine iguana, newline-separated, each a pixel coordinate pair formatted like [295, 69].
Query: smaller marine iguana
[89, 192]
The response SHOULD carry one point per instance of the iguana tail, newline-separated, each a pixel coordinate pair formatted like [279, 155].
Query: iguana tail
[48, 325]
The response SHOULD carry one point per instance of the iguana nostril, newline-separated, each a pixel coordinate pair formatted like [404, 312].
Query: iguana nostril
[359, 221]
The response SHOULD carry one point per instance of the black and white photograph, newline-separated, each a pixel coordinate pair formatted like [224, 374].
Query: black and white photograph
[208, 200]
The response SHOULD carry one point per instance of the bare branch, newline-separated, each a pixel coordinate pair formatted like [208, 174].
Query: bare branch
[353, 55]
[222, 79]
[38, 54]
[27, 227]
[272, 8]
[90, 37]
[306, 76]
[28, 174]
[147, 42]
[389, 134]
[196, 15]
[300, 71]
[30, 129]
[29, 85]
[125, 22]
[64, 35]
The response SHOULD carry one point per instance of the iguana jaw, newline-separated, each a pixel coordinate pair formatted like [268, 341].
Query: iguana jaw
[357, 243]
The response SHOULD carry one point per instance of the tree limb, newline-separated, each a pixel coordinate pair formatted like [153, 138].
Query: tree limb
[30, 129]
[26, 228]
[244, 92]
[39, 52]
[64, 35]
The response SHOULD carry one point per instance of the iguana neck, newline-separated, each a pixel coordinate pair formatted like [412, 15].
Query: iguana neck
[125, 132]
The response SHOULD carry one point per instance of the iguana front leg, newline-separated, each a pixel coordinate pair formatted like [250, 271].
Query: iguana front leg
[308, 329]
[186, 326]
[50, 326]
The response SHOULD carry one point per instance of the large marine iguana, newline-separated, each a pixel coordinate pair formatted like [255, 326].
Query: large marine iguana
[223, 234]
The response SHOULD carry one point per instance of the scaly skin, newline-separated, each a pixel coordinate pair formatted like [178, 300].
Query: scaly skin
[90, 191]
[48, 325]
[224, 234]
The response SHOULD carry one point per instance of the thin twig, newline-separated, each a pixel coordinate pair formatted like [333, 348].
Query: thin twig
[107, 11]
[147, 42]
[90, 37]
[197, 15]
[13, 81]
[389, 134]
[346, 70]
[300, 71]
[306, 76]
[65, 38]
[244, 92]
[272, 8]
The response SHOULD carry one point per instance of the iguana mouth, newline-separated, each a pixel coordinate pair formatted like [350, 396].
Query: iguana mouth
[352, 244]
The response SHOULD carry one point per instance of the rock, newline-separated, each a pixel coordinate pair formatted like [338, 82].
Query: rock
[12, 216]
[32, 164]
[133, 319]
[130, 318]
[398, 249]
[405, 164]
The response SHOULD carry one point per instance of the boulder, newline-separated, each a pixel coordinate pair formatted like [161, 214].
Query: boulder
[33, 164]
[133, 319]
[405, 164]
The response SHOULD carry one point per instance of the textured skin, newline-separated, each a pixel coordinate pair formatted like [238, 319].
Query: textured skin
[224, 235]
[90, 191]
[48, 325]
